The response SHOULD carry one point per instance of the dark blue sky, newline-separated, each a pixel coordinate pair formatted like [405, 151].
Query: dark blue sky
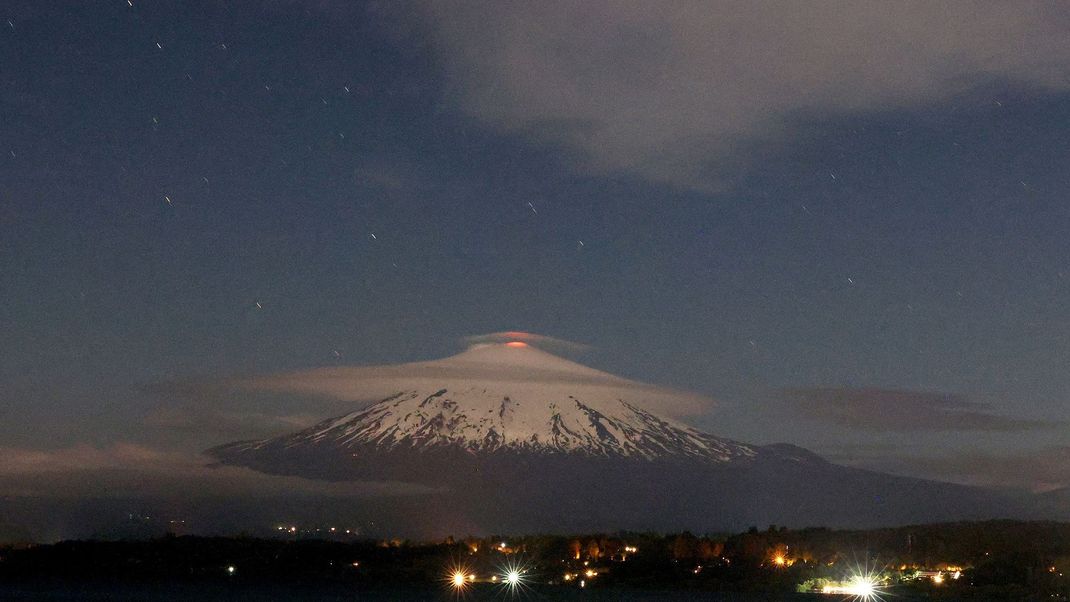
[164, 170]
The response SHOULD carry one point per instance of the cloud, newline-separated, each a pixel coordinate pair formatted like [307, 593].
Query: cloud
[132, 470]
[538, 376]
[673, 92]
[1038, 470]
[894, 410]
[17, 461]
[90, 491]
[208, 420]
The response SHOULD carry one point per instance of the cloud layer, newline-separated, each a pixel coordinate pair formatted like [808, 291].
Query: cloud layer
[673, 91]
[907, 411]
[1038, 470]
[135, 470]
[203, 419]
[87, 491]
[525, 373]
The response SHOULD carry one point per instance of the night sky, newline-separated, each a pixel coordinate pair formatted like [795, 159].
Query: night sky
[848, 226]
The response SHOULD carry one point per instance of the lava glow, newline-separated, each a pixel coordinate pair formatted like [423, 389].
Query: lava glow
[516, 344]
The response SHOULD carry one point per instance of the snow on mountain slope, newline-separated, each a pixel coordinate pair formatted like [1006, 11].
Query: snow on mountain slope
[513, 396]
[513, 439]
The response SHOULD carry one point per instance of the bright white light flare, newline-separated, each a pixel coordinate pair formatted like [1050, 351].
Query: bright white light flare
[513, 576]
[862, 587]
[458, 577]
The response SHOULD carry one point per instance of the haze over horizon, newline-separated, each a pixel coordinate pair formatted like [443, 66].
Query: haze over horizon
[842, 228]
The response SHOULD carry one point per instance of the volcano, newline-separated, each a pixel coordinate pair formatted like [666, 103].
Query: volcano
[516, 439]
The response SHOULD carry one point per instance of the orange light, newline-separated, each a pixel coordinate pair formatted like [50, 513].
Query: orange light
[516, 344]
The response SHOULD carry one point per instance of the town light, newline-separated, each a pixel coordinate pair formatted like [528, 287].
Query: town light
[458, 576]
[458, 579]
[512, 575]
[862, 588]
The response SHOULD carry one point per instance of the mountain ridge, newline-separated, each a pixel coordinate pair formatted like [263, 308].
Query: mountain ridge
[480, 419]
[571, 447]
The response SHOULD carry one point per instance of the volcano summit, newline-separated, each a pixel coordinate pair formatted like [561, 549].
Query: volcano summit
[526, 401]
[517, 439]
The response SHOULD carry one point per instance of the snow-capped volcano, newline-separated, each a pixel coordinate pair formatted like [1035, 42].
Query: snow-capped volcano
[517, 439]
[527, 400]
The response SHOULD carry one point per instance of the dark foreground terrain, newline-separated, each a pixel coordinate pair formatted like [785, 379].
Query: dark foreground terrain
[169, 592]
[995, 560]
